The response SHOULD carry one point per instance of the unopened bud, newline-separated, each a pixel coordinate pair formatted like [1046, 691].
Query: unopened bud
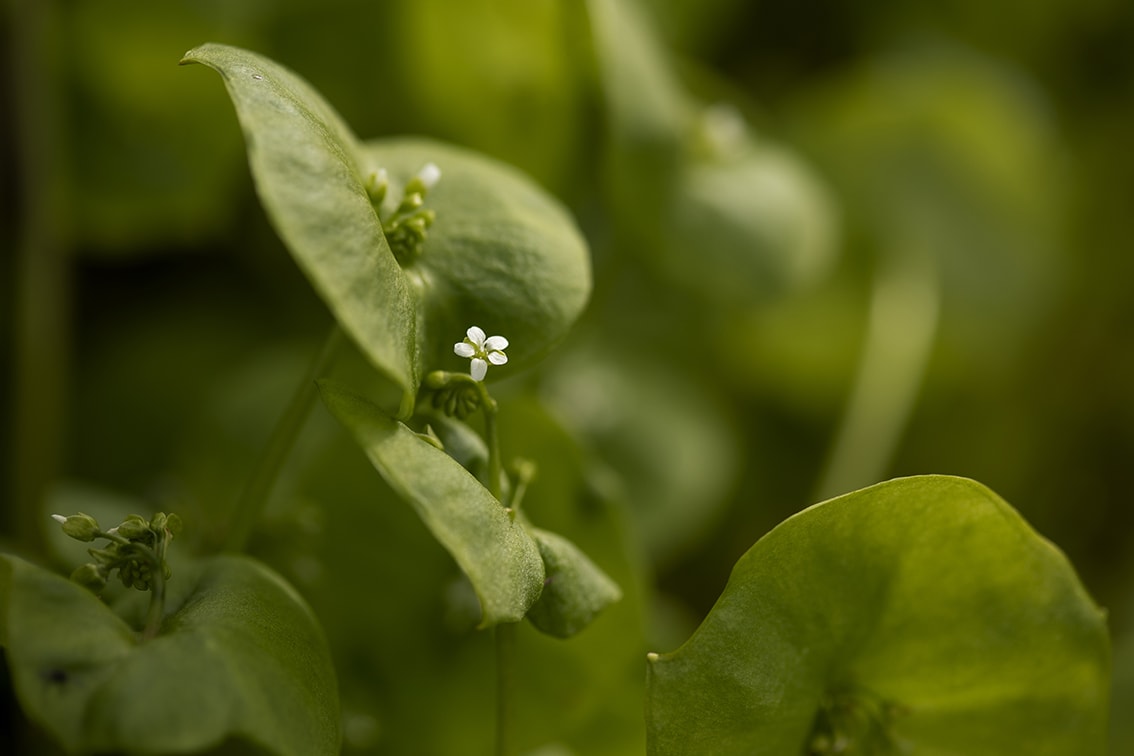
[81, 527]
[90, 576]
[133, 527]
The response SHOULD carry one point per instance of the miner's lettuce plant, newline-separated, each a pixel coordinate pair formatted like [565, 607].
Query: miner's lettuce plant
[918, 616]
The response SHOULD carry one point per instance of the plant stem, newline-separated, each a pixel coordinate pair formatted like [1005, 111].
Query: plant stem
[40, 271]
[255, 496]
[505, 651]
[156, 611]
[492, 439]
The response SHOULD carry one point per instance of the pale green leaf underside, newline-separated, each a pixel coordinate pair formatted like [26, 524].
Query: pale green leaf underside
[240, 656]
[500, 559]
[928, 594]
[304, 163]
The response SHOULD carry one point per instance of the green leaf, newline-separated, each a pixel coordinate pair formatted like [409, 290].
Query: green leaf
[920, 614]
[304, 161]
[239, 656]
[575, 590]
[502, 254]
[500, 559]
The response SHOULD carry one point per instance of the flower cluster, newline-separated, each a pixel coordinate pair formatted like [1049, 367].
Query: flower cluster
[136, 548]
[406, 228]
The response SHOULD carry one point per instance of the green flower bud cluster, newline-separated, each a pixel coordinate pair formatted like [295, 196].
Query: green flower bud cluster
[455, 394]
[135, 548]
[408, 225]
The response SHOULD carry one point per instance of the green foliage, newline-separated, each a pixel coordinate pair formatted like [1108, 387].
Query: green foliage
[500, 253]
[233, 630]
[496, 553]
[921, 615]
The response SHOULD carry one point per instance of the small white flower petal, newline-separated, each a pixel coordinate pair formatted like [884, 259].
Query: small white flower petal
[497, 358]
[476, 336]
[478, 369]
[496, 342]
[464, 349]
[59, 518]
[429, 175]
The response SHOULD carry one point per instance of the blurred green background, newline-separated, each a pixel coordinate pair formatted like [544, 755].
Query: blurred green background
[834, 243]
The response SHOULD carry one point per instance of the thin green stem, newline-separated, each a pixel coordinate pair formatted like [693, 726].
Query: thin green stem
[156, 612]
[255, 496]
[40, 284]
[492, 440]
[505, 652]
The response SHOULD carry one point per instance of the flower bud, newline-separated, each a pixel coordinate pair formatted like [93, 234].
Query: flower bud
[81, 527]
[133, 527]
[90, 577]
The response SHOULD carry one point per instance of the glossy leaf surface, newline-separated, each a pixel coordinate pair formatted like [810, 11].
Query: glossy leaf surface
[920, 614]
[494, 551]
[240, 656]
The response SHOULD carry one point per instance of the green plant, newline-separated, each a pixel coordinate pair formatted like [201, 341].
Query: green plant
[916, 616]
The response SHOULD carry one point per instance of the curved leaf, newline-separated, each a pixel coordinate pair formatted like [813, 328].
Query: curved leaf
[575, 590]
[240, 657]
[500, 559]
[502, 254]
[304, 162]
[920, 614]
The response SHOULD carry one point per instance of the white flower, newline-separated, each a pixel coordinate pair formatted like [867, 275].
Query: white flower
[429, 175]
[481, 351]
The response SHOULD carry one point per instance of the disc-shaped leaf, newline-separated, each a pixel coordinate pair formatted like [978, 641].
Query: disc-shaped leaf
[500, 559]
[240, 657]
[502, 254]
[304, 163]
[921, 615]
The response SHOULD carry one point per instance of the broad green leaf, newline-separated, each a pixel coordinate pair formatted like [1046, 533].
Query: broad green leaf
[240, 656]
[502, 254]
[304, 161]
[922, 615]
[500, 559]
[575, 590]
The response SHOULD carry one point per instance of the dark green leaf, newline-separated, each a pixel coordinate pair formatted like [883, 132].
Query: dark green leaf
[240, 656]
[500, 559]
[919, 614]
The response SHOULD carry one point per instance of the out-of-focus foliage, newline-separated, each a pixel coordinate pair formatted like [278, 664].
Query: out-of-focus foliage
[938, 280]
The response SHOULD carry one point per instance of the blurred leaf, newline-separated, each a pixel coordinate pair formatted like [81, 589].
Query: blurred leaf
[150, 171]
[942, 152]
[239, 656]
[575, 589]
[500, 76]
[495, 552]
[304, 161]
[502, 254]
[657, 431]
[918, 614]
[717, 211]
